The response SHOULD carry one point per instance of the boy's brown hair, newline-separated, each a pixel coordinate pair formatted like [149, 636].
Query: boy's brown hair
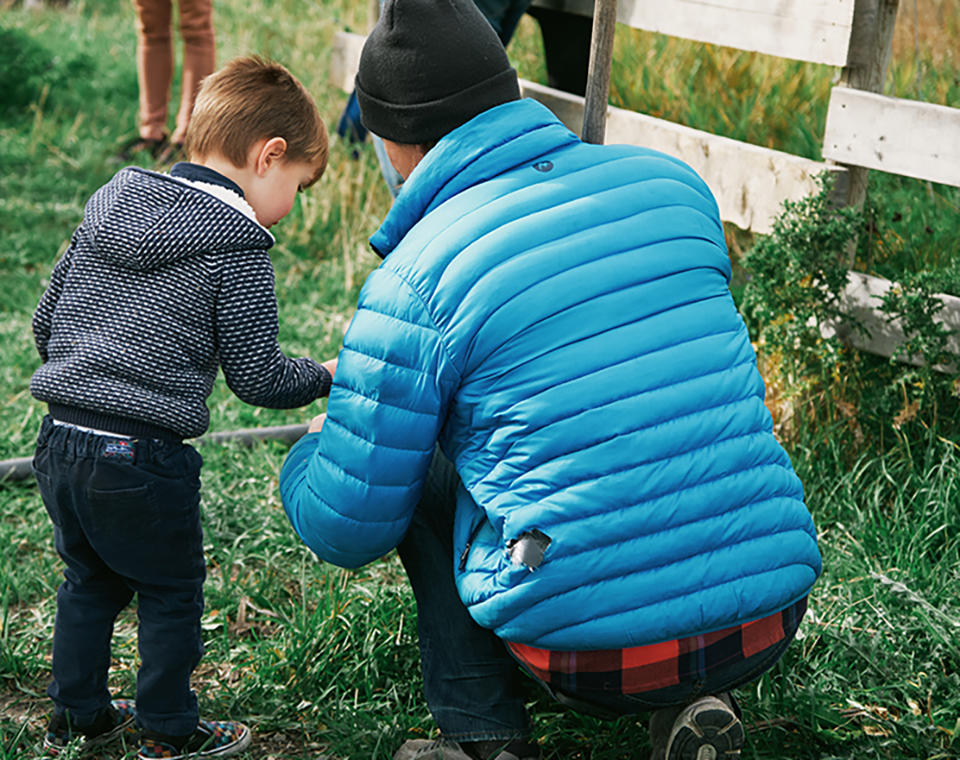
[250, 99]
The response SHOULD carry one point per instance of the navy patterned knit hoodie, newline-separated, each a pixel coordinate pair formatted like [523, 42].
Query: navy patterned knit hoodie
[162, 283]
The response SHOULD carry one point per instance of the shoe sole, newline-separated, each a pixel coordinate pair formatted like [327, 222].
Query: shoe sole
[706, 730]
[239, 745]
[53, 750]
[427, 749]
[231, 749]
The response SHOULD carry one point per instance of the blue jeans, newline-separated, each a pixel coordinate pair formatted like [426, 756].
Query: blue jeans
[471, 681]
[503, 15]
[473, 686]
[126, 520]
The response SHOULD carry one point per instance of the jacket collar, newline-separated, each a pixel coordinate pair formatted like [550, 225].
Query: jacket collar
[204, 174]
[491, 143]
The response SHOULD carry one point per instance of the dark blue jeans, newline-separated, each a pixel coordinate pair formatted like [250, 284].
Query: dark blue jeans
[503, 15]
[473, 686]
[126, 520]
[472, 683]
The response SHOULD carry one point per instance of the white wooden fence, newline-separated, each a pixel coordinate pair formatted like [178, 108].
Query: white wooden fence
[864, 130]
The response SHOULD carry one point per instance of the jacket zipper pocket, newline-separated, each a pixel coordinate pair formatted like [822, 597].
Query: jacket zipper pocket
[466, 549]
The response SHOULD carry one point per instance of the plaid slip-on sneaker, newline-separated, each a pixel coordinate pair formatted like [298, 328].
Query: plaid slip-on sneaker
[210, 739]
[112, 723]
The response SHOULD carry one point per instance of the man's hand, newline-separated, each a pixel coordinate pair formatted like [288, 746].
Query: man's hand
[331, 365]
[317, 422]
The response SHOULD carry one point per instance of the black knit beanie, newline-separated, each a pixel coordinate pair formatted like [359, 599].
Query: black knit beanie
[429, 66]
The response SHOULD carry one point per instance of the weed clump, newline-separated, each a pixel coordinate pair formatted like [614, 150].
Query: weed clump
[794, 304]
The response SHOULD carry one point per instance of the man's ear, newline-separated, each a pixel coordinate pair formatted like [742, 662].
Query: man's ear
[272, 151]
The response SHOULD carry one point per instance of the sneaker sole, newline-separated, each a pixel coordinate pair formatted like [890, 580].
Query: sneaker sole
[231, 749]
[427, 749]
[239, 745]
[53, 750]
[706, 730]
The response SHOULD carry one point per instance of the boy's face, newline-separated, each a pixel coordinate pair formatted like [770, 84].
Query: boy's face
[271, 195]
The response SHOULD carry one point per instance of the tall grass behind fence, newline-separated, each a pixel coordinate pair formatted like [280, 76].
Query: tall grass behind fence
[782, 104]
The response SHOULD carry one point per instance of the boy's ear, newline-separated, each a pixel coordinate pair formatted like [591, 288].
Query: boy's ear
[272, 151]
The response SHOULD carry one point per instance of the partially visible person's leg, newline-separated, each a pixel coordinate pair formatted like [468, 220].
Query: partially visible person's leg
[472, 684]
[503, 15]
[199, 58]
[154, 66]
[88, 602]
[566, 47]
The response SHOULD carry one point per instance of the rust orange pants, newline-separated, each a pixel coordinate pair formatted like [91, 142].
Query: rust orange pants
[155, 61]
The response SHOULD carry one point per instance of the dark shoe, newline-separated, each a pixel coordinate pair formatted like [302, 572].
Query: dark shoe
[112, 722]
[210, 739]
[170, 154]
[444, 749]
[661, 726]
[707, 729]
[516, 749]
[135, 145]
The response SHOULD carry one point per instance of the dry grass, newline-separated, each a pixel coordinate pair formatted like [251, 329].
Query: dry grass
[931, 27]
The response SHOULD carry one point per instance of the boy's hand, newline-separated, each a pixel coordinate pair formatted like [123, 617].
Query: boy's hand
[317, 422]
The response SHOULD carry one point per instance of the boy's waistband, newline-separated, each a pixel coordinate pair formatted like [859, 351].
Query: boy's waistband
[108, 424]
[83, 429]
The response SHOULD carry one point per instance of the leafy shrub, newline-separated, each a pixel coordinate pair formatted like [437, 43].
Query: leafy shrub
[796, 278]
[28, 70]
[22, 65]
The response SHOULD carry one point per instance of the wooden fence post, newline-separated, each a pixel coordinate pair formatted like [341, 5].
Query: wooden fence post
[871, 44]
[597, 97]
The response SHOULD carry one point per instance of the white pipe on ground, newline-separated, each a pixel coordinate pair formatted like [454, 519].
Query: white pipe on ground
[21, 469]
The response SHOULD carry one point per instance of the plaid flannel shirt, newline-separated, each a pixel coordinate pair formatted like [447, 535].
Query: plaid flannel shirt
[635, 670]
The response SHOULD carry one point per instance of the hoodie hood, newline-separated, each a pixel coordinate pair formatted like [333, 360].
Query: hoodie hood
[145, 220]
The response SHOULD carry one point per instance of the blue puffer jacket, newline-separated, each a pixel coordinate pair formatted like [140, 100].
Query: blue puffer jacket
[557, 315]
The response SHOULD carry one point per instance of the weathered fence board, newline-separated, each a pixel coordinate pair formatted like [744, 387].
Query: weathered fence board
[749, 182]
[345, 59]
[861, 300]
[805, 30]
[905, 137]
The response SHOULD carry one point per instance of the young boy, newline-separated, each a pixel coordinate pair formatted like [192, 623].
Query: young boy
[167, 279]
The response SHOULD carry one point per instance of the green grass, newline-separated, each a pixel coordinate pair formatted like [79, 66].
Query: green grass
[327, 658]
[321, 660]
